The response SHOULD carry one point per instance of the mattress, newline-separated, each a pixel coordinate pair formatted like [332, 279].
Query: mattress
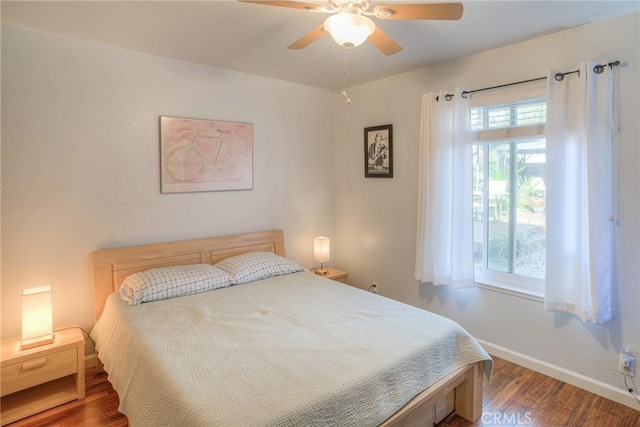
[289, 350]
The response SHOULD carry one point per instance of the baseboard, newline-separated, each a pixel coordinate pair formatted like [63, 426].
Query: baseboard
[591, 385]
[90, 360]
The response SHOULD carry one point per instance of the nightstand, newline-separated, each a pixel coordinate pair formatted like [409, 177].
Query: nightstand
[40, 378]
[335, 274]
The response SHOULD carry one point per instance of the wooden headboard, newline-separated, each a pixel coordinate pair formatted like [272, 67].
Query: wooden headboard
[112, 266]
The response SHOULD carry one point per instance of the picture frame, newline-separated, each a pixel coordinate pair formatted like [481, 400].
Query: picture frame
[378, 151]
[205, 155]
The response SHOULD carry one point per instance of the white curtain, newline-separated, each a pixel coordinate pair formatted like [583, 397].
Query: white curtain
[580, 193]
[444, 253]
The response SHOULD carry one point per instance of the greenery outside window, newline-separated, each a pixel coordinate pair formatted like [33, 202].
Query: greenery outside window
[509, 157]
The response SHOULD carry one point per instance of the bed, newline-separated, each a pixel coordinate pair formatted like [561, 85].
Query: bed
[288, 349]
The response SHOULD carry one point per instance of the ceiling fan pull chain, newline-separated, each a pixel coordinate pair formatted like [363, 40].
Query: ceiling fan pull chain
[346, 75]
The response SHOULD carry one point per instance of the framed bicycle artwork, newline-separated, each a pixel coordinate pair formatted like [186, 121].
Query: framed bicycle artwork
[378, 151]
[205, 155]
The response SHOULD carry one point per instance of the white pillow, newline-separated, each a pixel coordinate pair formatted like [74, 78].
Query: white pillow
[257, 265]
[170, 282]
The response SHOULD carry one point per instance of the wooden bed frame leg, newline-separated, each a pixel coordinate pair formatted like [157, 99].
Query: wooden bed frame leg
[469, 394]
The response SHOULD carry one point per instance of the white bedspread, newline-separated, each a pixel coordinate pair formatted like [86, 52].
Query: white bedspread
[294, 350]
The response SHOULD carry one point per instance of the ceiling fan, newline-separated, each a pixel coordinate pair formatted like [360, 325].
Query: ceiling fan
[350, 25]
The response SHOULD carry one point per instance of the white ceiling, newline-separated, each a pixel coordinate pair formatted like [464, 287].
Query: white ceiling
[253, 38]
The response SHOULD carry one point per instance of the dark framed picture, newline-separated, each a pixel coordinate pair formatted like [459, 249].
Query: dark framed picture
[378, 151]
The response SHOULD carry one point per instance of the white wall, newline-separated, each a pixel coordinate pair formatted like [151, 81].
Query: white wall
[80, 162]
[375, 229]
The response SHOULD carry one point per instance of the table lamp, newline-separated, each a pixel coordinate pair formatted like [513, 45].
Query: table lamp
[321, 253]
[37, 319]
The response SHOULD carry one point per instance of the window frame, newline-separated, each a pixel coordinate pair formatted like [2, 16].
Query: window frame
[495, 280]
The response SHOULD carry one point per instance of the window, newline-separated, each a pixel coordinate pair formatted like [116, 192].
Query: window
[509, 194]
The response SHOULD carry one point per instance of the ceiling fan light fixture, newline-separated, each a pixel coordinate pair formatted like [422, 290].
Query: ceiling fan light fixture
[383, 12]
[349, 29]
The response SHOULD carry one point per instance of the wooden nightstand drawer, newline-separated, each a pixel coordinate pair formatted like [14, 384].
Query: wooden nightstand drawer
[39, 370]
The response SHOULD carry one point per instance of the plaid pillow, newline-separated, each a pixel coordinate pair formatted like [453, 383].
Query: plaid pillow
[170, 282]
[257, 265]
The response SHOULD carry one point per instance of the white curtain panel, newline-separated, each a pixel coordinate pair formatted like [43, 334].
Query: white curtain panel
[580, 191]
[444, 253]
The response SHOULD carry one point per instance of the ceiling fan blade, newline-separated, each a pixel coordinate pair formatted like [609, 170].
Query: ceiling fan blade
[383, 42]
[442, 11]
[285, 3]
[308, 38]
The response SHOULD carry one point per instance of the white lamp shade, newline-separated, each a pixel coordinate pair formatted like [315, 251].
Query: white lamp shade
[37, 322]
[349, 29]
[321, 249]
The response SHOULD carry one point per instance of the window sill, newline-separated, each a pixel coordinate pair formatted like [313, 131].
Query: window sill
[513, 291]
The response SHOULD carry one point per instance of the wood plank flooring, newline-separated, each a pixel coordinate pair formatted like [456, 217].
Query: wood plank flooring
[516, 396]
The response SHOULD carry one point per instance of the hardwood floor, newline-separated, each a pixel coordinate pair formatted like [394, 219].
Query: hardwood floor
[515, 396]
[518, 396]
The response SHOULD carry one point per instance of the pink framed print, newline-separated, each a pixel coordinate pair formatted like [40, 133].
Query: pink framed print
[205, 155]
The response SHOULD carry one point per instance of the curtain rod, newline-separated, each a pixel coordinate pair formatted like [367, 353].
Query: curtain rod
[598, 69]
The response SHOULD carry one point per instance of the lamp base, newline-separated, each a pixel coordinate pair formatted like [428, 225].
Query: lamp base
[321, 271]
[36, 342]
